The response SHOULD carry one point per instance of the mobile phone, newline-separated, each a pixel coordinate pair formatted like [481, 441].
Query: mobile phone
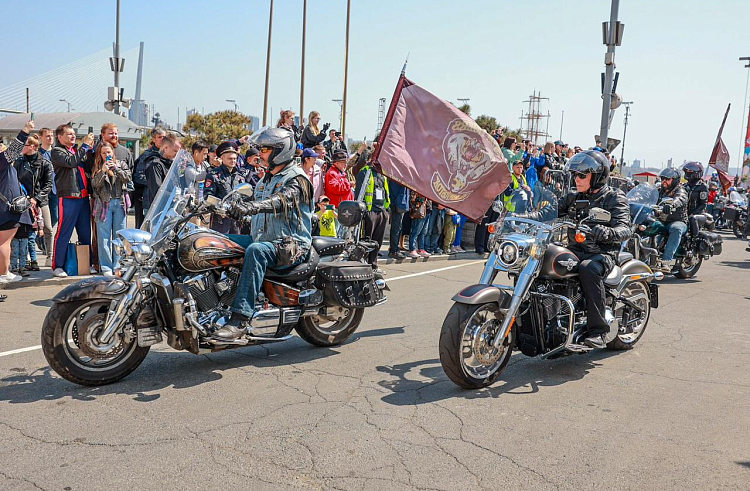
[329, 207]
[32, 116]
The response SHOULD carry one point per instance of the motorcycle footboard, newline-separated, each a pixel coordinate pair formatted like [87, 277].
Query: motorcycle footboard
[653, 290]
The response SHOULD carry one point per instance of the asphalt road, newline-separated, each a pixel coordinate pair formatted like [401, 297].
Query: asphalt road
[378, 412]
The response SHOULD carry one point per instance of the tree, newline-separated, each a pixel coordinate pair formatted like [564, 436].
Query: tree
[487, 123]
[215, 128]
[465, 108]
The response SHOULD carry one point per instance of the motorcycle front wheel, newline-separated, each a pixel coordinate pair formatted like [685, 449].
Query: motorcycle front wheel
[70, 344]
[466, 352]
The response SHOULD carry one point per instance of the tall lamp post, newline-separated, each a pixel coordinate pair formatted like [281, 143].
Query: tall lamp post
[302, 71]
[268, 64]
[341, 113]
[612, 36]
[66, 102]
[346, 69]
[232, 101]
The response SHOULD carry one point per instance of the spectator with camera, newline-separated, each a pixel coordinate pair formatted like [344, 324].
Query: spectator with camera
[286, 120]
[312, 135]
[335, 143]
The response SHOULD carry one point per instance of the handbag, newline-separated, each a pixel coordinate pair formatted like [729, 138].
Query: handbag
[418, 210]
[18, 205]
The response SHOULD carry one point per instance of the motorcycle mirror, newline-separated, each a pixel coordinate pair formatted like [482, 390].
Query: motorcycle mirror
[245, 190]
[498, 206]
[599, 215]
[212, 200]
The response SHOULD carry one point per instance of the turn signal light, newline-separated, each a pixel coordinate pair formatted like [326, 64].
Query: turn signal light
[491, 228]
[580, 237]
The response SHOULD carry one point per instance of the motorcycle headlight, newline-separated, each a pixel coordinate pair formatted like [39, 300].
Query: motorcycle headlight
[142, 253]
[508, 253]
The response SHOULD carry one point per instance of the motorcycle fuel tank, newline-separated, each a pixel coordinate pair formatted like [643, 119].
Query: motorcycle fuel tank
[206, 249]
[559, 262]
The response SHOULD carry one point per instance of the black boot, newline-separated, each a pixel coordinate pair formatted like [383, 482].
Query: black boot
[235, 328]
[596, 341]
[33, 266]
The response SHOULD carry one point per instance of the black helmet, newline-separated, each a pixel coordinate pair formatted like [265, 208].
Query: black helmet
[590, 162]
[281, 140]
[670, 173]
[693, 172]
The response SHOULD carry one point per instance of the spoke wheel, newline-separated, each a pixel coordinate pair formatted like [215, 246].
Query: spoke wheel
[638, 294]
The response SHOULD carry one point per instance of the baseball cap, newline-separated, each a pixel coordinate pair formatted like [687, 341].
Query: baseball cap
[559, 142]
[251, 152]
[322, 198]
[309, 152]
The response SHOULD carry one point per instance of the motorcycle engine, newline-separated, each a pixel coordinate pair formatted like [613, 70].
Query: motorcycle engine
[213, 288]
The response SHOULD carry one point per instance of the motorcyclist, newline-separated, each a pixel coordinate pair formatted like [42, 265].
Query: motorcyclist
[676, 214]
[696, 189]
[590, 170]
[281, 213]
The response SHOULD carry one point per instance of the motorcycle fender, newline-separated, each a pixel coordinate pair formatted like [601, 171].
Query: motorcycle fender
[635, 267]
[94, 287]
[481, 294]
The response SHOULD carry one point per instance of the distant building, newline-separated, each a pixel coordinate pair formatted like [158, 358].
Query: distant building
[636, 164]
[255, 123]
[669, 164]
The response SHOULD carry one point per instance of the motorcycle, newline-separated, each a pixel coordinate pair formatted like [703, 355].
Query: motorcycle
[543, 313]
[720, 222]
[650, 234]
[736, 213]
[180, 280]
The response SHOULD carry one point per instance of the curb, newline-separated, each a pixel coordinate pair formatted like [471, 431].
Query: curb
[44, 281]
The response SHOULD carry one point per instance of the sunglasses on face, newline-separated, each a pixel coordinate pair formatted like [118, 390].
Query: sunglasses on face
[266, 149]
[578, 175]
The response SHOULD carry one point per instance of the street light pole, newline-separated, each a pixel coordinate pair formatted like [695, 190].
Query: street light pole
[341, 112]
[232, 101]
[346, 69]
[302, 72]
[624, 133]
[611, 39]
[117, 58]
[268, 64]
[68, 103]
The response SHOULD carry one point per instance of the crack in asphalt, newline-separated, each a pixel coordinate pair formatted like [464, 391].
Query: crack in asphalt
[22, 479]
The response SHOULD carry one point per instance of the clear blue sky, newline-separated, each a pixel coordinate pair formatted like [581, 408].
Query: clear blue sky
[678, 61]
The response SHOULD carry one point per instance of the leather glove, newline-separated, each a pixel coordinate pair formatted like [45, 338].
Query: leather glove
[326, 126]
[666, 209]
[240, 210]
[600, 233]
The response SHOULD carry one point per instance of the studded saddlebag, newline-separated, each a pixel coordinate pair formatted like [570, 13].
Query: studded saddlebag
[710, 244]
[347, 283]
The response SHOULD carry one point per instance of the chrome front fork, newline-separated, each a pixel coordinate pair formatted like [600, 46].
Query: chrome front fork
[525, 278]
[119, 309]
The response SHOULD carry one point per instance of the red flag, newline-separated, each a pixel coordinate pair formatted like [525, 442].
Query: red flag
[430, 146]
[720, 157]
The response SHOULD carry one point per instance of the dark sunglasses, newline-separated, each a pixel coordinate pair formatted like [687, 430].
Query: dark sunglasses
[578, 175]
[266, 149]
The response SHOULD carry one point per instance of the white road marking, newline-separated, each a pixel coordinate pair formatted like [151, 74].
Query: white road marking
[34, 348]
[21, 350]
[388, 280]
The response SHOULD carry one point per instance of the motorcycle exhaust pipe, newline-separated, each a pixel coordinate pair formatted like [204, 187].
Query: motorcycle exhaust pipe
[178, 305]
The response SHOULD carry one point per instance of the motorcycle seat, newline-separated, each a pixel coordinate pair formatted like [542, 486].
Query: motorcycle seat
[614, 276]
[328, 246]
[300, 272]
[623, 257]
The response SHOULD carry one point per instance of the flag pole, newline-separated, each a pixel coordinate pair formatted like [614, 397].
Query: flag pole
[402, 82]
[346, 69]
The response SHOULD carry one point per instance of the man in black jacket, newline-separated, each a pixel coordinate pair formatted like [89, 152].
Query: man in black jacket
[72, 172]
[220, 181]
[676, 214]
[157, 166]
[589, 170]
[140, 195]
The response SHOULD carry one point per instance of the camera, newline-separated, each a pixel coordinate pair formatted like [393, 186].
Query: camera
[338, 134]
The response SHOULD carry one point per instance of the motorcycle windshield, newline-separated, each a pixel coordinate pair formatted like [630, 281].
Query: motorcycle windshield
[540, 203]
[168, 206]
[642, 200]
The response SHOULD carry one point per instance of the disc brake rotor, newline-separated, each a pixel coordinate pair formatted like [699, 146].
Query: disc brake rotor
[481, 343]
[86, 339]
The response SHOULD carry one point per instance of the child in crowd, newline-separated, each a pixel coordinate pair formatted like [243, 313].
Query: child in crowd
[327, 217]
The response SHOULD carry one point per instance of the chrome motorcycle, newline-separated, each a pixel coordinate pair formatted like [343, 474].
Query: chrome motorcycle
[543, 313]
[180, 280]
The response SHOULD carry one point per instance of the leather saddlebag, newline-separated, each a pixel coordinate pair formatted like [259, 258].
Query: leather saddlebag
[710, 244]
[347, 283]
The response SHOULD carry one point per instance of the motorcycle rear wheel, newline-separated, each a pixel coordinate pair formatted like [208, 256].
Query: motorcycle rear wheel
[638, 293]
[467, 356]
[92, 364]
[318, 331]
[684, 272]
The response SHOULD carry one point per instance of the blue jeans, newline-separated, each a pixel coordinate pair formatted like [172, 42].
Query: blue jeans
[106, 230]
[416, 235]
[397, 220]
[258, 257]
[459, 230]
[18, 248]
[32, 246]
[432, 232]
[676, 231]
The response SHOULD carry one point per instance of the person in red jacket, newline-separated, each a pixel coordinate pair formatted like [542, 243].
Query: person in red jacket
[338, 188]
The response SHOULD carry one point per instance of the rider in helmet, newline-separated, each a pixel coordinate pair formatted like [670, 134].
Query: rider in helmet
[676, 214]
[696, 189]
[589, 171]
[281, 224]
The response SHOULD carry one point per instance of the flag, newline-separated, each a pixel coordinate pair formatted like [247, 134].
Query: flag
[431, 147]
[720, 157]
[746, 157]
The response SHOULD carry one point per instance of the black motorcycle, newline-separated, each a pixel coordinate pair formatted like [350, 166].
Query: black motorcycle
[650, 234]
[180, 280]
[544, 312]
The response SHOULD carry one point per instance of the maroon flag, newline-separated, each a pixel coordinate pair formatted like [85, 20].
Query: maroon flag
[430, 146]
[720, 157]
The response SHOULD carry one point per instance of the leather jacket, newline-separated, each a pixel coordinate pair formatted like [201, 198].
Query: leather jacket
[35, 173]
[697, 197]
[678, 208]
[67, 168]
